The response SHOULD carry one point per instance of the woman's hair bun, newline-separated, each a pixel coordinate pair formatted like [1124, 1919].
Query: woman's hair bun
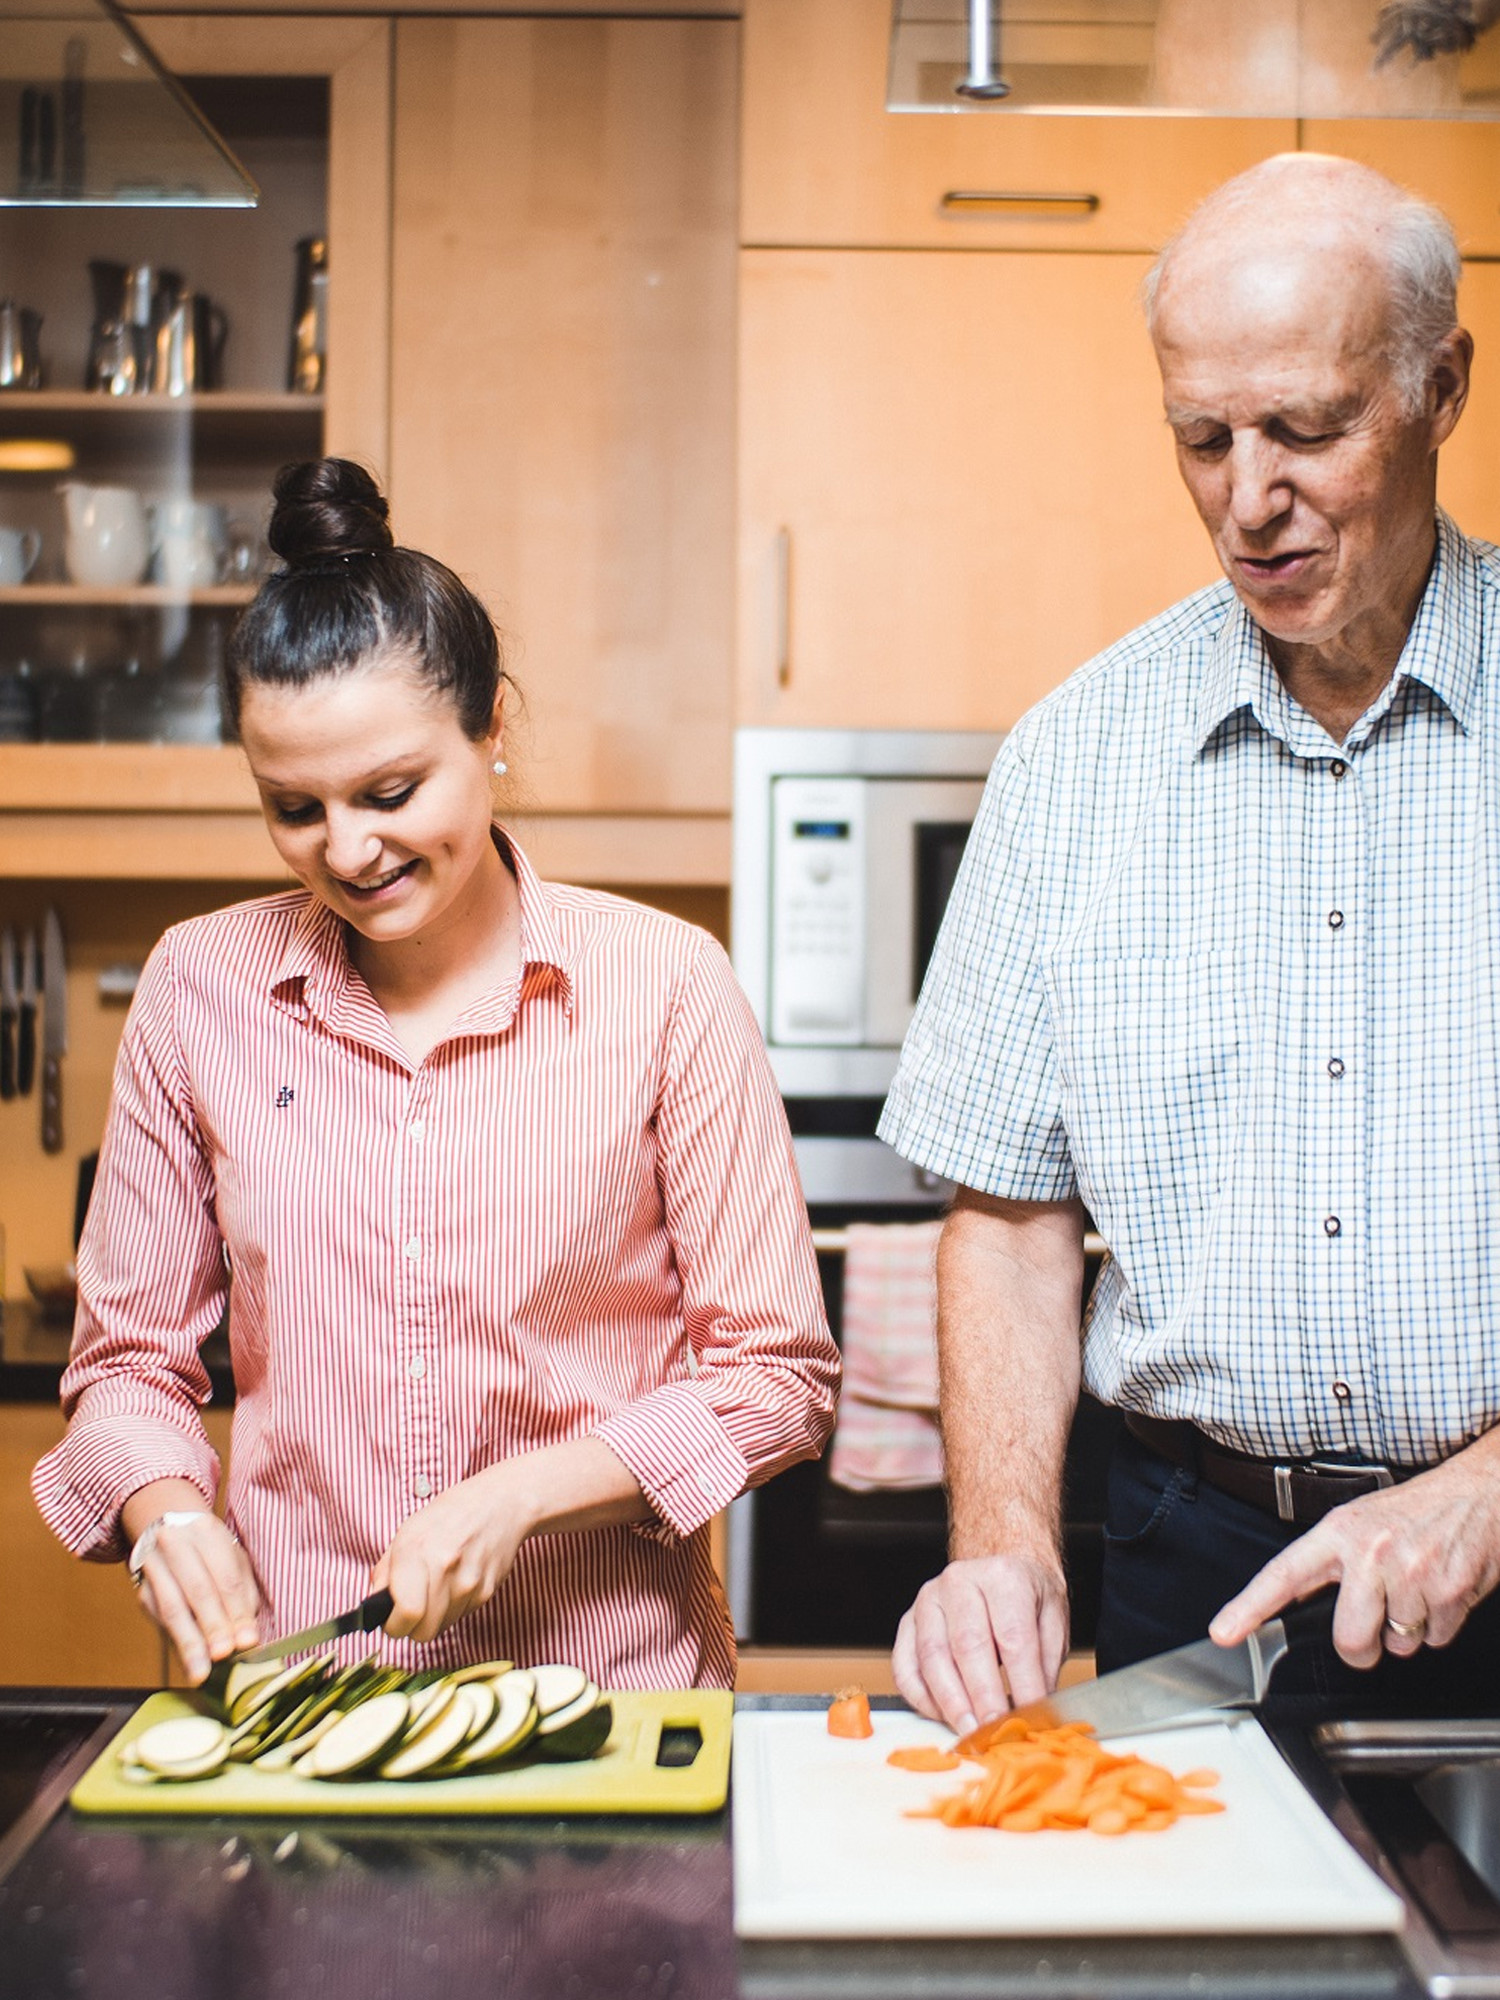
[327, 508]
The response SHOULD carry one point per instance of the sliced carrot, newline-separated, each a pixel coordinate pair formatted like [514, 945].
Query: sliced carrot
[1061, 1779]
[924, 1757]
[849, 1713]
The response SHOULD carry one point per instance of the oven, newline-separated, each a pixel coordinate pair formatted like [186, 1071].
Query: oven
[846, 845]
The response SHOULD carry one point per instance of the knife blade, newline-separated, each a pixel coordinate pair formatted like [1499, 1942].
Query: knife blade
[54, 1030]
[31, 985]
[1189, 1683]
[10, 1003]
[369, 1615]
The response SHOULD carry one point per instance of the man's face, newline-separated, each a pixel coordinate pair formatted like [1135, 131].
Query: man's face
[1317, 489]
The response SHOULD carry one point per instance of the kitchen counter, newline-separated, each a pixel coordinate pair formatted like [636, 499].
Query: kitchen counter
[584, 1909]
[34, 1353]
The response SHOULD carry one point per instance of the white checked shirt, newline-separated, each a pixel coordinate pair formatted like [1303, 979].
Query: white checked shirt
[1235, 986]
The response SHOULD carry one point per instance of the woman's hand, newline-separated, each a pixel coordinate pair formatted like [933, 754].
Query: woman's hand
[195, 1580]
[453, 1555]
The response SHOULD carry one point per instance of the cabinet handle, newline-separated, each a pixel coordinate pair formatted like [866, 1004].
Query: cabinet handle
[783, 607]
[1019, 204]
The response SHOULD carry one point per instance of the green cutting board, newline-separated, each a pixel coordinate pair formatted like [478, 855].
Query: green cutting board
[624, 1778]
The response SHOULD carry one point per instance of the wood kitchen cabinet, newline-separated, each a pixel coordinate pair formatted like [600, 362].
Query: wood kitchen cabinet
[562, 383]
[67, 1623]
[825, 163]
[955, 483]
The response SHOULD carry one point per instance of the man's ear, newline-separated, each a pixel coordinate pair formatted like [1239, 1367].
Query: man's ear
[1448, 382]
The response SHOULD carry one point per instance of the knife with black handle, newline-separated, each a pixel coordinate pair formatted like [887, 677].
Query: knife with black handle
[10, 1004]
[54, 1031]
[31, 983]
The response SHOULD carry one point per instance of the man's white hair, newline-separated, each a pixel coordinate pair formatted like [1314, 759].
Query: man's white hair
[1414, 238]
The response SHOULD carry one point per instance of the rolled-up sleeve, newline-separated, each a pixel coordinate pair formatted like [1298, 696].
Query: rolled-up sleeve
[763, 1388]
[151, 1287]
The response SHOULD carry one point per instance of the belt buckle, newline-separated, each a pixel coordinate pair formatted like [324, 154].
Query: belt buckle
[1286, 1508]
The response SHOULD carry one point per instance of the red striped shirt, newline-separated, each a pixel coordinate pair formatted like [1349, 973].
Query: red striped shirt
[578, 1216]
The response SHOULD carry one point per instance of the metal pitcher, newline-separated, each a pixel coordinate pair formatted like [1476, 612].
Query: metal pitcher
[190, 346]
[20, 346]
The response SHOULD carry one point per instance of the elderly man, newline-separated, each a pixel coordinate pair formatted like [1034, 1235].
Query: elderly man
[1220, 970]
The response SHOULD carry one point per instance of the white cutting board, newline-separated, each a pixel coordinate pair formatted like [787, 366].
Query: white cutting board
[823, 1849]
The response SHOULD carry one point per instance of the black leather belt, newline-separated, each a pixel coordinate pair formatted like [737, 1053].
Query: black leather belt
[1300, 1491]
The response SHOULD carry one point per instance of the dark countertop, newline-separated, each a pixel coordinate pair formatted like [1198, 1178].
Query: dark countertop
[34, 1353]
[582, 1909]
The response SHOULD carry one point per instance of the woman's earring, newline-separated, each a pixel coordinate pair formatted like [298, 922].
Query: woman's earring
[499, 767]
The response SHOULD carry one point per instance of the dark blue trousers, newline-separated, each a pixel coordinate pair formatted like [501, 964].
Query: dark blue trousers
[1176, 1549]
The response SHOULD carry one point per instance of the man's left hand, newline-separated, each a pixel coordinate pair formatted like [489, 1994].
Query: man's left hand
[1411, 1562]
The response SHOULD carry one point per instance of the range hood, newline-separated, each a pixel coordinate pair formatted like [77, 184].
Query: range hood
[1220, 58]
[90, 119]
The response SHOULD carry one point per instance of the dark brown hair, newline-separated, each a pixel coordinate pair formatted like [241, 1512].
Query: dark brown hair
[345, 591]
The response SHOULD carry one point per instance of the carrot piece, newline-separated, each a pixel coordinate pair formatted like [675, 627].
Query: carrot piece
[849, 1713]
[924, 1757]
[1061, 1779]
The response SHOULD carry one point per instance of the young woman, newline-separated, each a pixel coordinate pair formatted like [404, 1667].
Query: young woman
[523, 1291]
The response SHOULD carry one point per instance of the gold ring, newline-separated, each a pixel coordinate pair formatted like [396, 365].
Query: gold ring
[1403, 1630]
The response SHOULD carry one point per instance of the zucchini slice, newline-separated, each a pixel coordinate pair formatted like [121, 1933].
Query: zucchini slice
[433, 1743]
[558, 1687]
[188, 1746]
[585, 1736]
[512, 1728]
[559, 1718]
[363, 1736]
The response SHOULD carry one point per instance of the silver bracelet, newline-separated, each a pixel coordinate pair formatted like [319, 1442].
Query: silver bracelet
[177, 1518]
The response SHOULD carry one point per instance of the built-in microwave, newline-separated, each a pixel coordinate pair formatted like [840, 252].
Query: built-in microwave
[846, 843]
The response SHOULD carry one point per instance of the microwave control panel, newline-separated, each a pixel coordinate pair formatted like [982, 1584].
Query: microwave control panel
[818, 876]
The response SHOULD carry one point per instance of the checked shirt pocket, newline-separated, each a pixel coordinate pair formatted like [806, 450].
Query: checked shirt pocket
[1153, 1057]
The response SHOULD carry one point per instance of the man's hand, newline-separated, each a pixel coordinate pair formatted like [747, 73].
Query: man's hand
[1411, 1562]
[980, 1615]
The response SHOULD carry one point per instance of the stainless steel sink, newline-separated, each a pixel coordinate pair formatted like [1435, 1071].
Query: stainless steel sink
[1422, 1801]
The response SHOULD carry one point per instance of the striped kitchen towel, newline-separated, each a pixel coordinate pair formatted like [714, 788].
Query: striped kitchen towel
[887, 1432]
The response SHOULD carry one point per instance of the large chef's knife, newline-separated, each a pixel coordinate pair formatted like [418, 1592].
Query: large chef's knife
[31, 986]
[10, 1002]
[1189, 1683]
[367, 1616]
[54, 1031]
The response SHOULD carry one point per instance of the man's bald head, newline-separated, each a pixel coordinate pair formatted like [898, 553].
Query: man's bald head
[1297, 206]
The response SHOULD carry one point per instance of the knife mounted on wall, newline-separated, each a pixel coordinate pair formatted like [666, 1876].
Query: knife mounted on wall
[31, 986]
[54, 1031]
[10, 1006]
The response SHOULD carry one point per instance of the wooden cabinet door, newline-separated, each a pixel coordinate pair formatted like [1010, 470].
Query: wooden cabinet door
[1447, 161]
[955, 483]
[562, 400]
[1469, 465]
[824, 162]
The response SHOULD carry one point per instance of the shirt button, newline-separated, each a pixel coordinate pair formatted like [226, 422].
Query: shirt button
[418, 1129]
[705, 1482]
[1342, 1392]
[1335, 1065]
[1337, 768]
[413, 1246]
[417, 1367]
[1331, 1225]
[1335, 920]
[421, 1486]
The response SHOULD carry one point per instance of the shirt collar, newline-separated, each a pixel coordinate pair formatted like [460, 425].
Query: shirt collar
[1442, 651]
[315, 968]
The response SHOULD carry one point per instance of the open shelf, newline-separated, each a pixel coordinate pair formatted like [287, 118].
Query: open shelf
[132, 597]
[230, 420]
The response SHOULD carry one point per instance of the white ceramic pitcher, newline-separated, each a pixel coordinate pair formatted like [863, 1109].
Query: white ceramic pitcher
[108, 545]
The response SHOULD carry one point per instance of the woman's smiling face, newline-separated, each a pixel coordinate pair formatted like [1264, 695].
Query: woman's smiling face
[375, 798]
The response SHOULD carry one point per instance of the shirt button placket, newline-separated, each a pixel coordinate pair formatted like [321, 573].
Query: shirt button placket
[1335, 1023]
[419, 1261]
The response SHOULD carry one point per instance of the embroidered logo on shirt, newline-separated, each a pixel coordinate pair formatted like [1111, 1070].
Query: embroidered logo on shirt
[284, 1097]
